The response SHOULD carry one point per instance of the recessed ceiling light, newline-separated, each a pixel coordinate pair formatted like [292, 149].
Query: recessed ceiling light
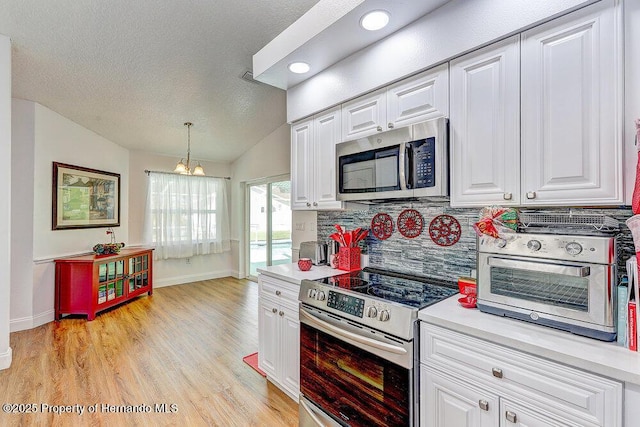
[299, 67]
[375, 20]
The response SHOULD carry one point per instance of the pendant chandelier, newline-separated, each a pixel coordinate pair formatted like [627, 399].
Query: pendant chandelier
[185, 168]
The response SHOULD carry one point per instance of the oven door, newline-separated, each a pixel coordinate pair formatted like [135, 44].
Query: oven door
[577, 292]
[353, 376]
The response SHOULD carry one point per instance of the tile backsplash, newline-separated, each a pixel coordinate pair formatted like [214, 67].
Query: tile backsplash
[421, 256]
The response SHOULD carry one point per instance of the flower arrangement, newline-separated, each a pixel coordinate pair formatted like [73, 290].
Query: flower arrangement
[111, 248]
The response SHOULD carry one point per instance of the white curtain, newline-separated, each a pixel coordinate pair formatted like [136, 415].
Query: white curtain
[186, 215]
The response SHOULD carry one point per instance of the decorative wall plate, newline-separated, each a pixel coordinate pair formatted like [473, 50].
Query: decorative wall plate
[382, 226]
[445, 230]
[410, 223]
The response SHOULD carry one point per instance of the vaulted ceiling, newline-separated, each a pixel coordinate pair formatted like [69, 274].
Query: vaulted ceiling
[135, 71]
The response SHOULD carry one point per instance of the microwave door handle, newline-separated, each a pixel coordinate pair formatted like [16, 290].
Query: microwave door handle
[402, 165]
[566, 270]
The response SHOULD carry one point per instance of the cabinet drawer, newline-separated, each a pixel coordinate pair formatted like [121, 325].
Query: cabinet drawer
[566, 391]
[278, 289]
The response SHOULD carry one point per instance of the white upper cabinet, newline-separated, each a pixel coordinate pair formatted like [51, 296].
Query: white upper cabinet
[571, 109]
[326, 135]
[417, 98]
[421, 97]
[567, 127]
[364, 116]
[313, 159]
[485, 126]
[301, 164]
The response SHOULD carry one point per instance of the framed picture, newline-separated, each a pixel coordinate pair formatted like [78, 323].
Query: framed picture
[84, 198]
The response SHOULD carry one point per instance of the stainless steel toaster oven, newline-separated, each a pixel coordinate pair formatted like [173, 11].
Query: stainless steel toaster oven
[563, 281]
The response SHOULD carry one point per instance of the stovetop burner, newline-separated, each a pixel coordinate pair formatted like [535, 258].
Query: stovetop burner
[415, 292]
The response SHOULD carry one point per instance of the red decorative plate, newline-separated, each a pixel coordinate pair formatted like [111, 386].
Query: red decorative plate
[382, 226]
[445, 230]
[410, 223]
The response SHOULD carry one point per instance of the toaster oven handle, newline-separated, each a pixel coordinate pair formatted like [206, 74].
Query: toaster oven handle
[542, 267]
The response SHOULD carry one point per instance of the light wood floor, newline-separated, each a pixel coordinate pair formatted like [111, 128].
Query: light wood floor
[182, 346]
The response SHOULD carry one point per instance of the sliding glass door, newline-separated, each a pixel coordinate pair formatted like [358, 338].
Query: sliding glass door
[269, 223]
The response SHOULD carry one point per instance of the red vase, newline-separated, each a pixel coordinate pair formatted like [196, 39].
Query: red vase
[349, 259]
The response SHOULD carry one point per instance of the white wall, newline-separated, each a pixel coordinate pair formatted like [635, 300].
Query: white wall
[55, 139]
[270, 157]
[171, 271]
[5, 195]
[456, 27]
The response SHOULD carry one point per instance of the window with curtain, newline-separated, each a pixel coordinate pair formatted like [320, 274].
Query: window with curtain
[186, 215]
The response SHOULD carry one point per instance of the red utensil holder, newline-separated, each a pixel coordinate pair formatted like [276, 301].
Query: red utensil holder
[349, 259]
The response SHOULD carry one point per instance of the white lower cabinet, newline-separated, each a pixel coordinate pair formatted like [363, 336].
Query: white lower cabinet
[466, 381]
[279, 334]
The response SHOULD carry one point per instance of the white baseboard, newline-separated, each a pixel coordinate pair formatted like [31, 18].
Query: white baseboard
[30, 322]
[5, 359]
[180, 280]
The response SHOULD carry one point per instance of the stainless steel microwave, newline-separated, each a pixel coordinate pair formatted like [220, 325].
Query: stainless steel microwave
[402, 163]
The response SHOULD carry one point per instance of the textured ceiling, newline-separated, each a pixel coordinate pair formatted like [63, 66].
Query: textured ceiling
[135, 71]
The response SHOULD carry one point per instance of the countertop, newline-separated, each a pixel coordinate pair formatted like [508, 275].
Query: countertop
[292, 274]
[608, 359]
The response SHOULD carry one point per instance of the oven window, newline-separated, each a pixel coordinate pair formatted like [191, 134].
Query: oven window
[355, 387]
[545, 288]
[373, 170]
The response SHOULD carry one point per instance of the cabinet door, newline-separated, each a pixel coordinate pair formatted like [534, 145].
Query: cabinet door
[268, 336]
[484, 127]
[290, 349]
[301, 165]
[571, 109]
[421, 97]
[446, 402]
[364, 116]
[327, 130]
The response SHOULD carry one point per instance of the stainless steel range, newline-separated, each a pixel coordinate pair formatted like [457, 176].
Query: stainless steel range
[358, 347]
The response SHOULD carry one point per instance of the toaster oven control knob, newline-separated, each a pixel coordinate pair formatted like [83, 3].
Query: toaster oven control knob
[384, 315]
[372, 312]
[573, 248]
[534, 245]
[320, 296]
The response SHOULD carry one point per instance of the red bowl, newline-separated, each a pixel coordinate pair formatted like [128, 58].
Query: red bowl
[304, 264]
[468, 301]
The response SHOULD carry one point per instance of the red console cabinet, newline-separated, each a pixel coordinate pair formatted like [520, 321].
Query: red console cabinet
[88, 284]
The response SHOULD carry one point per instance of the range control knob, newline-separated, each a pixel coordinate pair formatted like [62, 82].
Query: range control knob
[320, 296]
[372, 312]
[311, 293]
[573, 248]
[534, 245]
[501, 243]
[384, 315]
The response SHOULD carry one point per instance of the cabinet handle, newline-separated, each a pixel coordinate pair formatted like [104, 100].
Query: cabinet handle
[379, 128]
[531, 195]
[275, 310]
[483, 404]
[511, 416]
[281, 313]
[507, 196]
[308, 204]
[390, 125]
[496, 372]
[278, 293]
[315, 203]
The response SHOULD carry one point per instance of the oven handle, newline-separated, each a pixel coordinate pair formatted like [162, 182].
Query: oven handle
[328, 327]
[312, 414]
[567, 270]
